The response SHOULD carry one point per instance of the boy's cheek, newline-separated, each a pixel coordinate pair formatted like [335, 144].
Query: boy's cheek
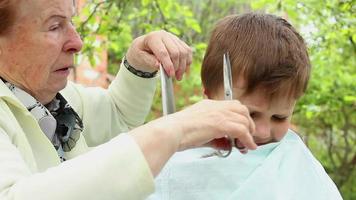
[282, 131]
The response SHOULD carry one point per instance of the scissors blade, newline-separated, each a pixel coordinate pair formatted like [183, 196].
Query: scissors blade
[228, 96]
[227, 77]
[168, 104]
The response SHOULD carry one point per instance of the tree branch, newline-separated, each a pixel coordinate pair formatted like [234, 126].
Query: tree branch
[165, 22]
[83, 24]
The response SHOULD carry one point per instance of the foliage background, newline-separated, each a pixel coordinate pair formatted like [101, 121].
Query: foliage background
[325, 116]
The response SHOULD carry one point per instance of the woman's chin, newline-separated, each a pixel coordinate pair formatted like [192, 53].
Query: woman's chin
[59, 85]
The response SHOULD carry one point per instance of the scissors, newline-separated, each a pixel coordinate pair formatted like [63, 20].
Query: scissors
[228, 96]
[168, 104]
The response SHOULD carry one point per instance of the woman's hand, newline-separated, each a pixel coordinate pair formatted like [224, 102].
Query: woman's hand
[147, 52]
[195, 126]
[202, 123]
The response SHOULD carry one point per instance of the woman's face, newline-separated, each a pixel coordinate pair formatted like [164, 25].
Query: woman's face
[271, 115]
[37, 54]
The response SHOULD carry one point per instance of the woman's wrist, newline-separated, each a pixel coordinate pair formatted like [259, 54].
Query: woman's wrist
[157, 143]
[138, 72]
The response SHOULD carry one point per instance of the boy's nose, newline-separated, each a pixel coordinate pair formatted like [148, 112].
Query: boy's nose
[263, 130]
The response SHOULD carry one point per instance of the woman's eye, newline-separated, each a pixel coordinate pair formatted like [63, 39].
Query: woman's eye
[54, 27]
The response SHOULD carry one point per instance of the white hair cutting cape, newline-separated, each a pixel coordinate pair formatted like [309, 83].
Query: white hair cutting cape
[284, 170]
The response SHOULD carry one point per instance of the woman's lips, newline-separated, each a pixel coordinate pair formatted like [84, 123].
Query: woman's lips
[63, 71]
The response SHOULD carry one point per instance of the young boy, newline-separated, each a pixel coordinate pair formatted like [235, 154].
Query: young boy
[270, 70]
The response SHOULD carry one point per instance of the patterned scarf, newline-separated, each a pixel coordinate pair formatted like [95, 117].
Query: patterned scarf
[57, 120]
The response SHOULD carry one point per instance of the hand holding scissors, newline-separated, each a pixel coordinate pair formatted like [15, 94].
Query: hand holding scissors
[168, 104]
[228, 95]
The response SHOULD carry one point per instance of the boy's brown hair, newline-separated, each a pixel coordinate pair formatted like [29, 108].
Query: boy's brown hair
[265, 50]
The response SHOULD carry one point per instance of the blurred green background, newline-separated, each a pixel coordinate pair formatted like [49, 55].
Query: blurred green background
[325, 116]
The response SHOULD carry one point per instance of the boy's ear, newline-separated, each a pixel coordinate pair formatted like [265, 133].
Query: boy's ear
[206, 93]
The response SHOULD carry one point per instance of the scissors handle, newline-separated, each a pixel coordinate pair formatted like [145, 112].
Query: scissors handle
[168, 103]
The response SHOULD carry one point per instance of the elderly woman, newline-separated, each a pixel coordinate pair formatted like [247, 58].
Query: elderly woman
[59, 140]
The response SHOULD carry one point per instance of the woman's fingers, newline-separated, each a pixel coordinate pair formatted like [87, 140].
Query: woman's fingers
[240, 131]
[185, 58]
[220, 143]
[209, 120]
[160, 47]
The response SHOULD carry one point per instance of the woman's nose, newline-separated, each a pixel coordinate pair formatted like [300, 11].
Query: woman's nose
[74, 43]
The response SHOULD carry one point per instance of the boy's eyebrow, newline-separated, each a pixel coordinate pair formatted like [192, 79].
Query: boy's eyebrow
[251, 108]
[256, 110]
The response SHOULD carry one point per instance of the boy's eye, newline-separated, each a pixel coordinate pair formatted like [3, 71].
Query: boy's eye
[279, 118]
[253, 115]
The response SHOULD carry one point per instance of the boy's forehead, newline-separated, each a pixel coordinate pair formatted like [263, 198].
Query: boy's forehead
[258, 102]
[258, 99]
[238, 87]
